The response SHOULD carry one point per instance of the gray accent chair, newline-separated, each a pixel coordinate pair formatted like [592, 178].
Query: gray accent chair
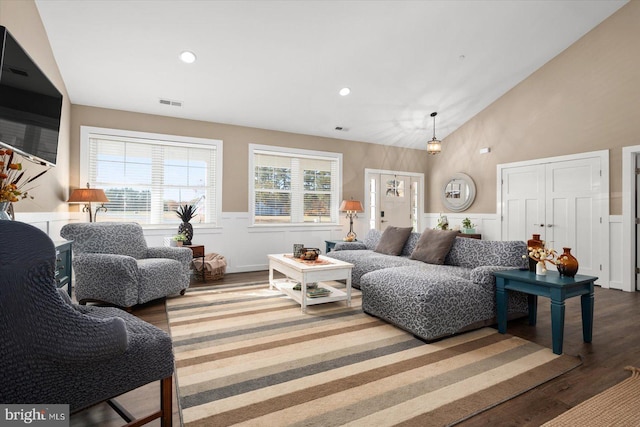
[113, 264]
[56, 352]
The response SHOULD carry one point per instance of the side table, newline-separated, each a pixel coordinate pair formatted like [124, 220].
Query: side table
[330, 244]
[198, 252]
[553, 286]
[64, 274]
[471, 236]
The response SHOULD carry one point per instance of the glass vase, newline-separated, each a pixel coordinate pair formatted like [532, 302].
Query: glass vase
[567, 264]
[4, 211]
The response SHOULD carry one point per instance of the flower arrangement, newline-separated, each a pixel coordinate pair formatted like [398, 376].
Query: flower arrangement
[443, 223]
[542, 256]
[11, 178]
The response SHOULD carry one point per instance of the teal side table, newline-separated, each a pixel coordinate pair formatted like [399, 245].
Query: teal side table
[330, 244]
[552, 286]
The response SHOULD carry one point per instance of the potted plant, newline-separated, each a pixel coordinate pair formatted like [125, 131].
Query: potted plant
[468, 227]
[186, 213]
[179, 239]
[443, 223]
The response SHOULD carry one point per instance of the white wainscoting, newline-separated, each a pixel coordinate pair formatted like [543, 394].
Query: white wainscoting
[486, 224]
[245, 247]
[50, 222]
[616, 254]
[489, 226]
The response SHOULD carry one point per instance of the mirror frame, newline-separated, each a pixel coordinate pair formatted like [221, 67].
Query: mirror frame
[466, 179]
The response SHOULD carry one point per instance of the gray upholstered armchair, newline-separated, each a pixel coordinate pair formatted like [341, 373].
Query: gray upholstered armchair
[56, 352]
[113, 264]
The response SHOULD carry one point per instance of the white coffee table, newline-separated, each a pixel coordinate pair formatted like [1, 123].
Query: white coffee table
[296, 271]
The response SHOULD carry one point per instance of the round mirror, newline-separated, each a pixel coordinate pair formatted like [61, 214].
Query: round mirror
[458, 193]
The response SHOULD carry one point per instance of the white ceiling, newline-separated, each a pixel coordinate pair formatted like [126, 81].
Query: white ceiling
[279, 64]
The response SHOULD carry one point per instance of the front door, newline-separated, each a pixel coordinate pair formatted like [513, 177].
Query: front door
[395, 201]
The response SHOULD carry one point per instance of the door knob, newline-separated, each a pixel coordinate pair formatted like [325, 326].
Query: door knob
[549, 225]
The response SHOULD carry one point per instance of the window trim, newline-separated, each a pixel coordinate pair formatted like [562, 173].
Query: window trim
[291, 152]
[86, 131]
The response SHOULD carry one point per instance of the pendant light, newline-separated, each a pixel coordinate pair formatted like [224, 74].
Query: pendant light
[435, 145]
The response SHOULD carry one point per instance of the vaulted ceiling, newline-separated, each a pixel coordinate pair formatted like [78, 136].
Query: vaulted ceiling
[280, 64]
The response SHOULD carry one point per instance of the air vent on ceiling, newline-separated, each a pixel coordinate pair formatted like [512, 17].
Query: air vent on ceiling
[170, 102]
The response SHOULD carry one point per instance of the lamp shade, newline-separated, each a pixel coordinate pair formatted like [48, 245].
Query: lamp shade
[351, 206]
[88, 195]
[434, 146]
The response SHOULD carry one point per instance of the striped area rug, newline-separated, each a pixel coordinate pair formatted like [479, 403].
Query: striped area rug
[248, 355]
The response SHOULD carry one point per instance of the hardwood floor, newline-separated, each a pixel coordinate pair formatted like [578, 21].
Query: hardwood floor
[615, 345]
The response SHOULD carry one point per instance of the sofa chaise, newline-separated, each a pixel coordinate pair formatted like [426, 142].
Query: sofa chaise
[429, 300]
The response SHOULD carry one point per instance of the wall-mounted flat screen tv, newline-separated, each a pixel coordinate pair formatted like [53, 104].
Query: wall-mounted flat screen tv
[30, 105]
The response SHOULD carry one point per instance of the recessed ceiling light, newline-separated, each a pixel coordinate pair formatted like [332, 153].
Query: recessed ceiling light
[188, 57]
[345, 91]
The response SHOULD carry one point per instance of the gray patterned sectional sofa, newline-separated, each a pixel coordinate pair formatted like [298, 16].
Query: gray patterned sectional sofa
[433, 301]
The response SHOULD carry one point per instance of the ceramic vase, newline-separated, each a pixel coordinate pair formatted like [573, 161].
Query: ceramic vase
[567, 264]
[541, 268]
[534, 243]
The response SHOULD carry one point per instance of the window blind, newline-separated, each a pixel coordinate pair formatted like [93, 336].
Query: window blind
[290, 188]
[146, 180]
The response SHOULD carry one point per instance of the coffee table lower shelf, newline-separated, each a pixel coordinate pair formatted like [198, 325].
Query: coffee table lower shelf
[325, 272]
[286, 286]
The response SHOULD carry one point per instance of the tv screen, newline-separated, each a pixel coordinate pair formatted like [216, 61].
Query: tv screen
[30, 105]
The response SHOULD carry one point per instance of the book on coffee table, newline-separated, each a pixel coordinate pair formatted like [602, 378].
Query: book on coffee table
[298, 286]
[318, 293]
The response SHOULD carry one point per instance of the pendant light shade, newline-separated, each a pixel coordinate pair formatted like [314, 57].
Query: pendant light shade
[435, 145]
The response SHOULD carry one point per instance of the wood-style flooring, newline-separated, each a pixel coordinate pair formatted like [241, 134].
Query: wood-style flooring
[616, 344]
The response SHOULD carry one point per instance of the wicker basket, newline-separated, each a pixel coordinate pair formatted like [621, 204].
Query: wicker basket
[214, 266]
[215, 274]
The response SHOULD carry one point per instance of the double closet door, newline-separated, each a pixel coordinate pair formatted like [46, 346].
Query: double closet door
[563, 203]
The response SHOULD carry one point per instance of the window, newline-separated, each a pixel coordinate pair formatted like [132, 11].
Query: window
[147, 176]
[294, 186]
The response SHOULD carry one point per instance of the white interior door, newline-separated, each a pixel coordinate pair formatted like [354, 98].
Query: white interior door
[523, 198]
[395, 201]
[563, 202]
[637, 227]
[573, 211]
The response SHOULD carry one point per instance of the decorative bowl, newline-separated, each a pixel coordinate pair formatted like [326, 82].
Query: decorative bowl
[309, 254]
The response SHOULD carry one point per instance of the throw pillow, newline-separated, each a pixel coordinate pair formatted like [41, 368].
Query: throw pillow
[392, 240]
[433, 246]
